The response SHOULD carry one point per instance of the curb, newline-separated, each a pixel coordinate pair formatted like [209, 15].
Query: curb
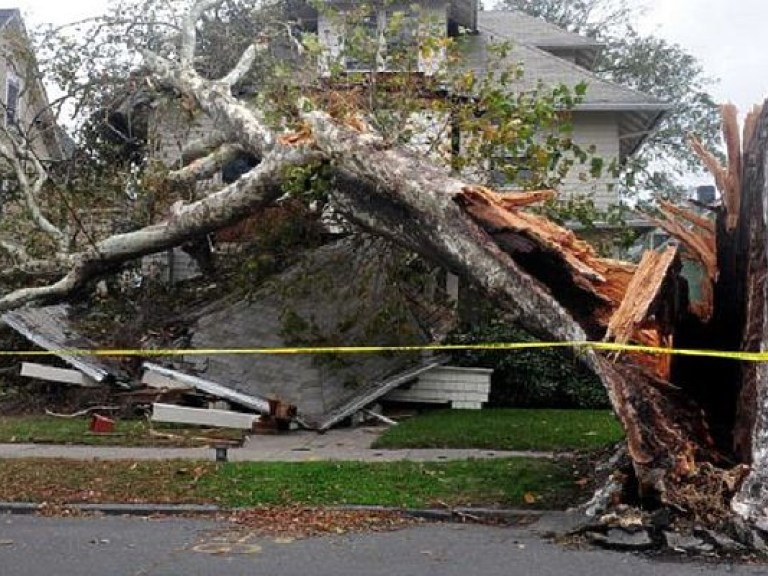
[114, 509]
[463, 514]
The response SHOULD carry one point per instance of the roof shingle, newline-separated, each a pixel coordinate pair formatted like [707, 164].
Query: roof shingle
[531, 30]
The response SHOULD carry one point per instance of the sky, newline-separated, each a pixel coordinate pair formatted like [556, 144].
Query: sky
[725, 35]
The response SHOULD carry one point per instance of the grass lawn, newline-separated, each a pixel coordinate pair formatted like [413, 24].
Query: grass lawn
[518, 482]
[50, 430]
[505, 429]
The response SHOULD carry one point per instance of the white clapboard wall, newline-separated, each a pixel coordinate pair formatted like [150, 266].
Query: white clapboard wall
[461, 387]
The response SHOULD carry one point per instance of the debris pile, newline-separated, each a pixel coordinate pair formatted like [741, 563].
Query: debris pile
[177, 392]
[174, 396]
[304, 522]
[664, 531]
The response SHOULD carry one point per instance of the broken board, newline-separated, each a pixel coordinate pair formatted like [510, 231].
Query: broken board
[202, 416]
[253, 402]
[154, 379]
[49, 328]
[52, 374]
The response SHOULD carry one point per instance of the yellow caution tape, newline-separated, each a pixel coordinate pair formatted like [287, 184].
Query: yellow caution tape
[603, 346]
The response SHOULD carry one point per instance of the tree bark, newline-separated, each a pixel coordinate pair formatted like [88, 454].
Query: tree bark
[750, 248]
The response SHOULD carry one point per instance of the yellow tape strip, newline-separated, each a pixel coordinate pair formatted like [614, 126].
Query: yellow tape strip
[604, 346]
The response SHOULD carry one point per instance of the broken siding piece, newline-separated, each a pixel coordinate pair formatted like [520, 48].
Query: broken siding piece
[51, 374]
[48, 327]
[202, 417]
[376, 390]
[156, 380]
[260, 405]
[461, 387]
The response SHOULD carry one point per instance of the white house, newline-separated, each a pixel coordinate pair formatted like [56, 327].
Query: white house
[614, 119]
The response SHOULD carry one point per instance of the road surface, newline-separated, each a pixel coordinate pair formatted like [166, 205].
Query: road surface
[120, 546]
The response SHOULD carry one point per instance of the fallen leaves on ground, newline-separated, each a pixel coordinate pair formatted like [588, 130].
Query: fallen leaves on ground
[304, 522]
[57, 482]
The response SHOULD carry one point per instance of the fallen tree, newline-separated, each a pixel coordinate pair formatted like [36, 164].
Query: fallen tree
[695, 428]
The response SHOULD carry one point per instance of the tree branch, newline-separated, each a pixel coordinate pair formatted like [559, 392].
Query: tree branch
[202, 147]
[258, 188]
[242, 124]
[243, 66]
[31, 191]
[206, 167]
[16, 251]
[189, 32]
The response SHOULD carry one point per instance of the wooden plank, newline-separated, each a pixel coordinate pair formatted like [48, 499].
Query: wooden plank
[51, 374]
[49, 328]
[202, 416]
[260, 405]
[642, 293]
[156, 380]
[376, 390]
[379, 417]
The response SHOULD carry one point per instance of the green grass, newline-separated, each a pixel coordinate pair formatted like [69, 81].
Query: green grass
[505, 429]
[50, 430]
[504, 482]
[487, 482]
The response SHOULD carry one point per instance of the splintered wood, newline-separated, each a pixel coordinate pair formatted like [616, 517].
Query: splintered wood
[614, 300]
[697, 235]
[728, 178]
[641, 318]
[641, 295]
[595, 286]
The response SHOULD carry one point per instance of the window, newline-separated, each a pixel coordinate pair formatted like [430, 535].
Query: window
[402, 29]
[363, 44]
[12, 95]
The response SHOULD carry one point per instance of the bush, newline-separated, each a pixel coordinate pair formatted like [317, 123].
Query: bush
[536, 378]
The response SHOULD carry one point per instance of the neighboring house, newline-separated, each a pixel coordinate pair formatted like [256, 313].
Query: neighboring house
[614, 119]
[23, 100]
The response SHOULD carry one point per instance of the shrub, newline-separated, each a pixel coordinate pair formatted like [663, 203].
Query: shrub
[536, 378]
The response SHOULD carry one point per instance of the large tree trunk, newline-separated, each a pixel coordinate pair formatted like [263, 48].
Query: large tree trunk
[750, 250]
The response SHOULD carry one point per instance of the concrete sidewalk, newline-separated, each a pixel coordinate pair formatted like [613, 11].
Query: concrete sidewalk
[297, 446]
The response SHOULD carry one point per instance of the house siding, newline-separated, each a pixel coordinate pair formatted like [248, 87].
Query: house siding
[600, 130]
[173, 129]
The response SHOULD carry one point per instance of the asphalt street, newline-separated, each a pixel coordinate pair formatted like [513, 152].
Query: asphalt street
[119, 546]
